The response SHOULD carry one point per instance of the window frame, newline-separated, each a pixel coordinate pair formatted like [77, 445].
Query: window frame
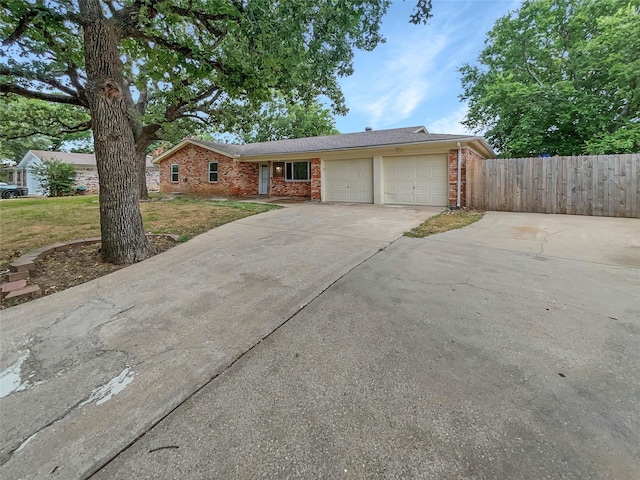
[217, 171]
[176, 173]
[289, 167]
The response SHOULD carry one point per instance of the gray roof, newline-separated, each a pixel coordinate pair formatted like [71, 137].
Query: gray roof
[85, 159]
[373, 138]
[66, 157]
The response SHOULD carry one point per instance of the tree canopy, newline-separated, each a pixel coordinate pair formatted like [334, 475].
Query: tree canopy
[27, 124]
[140, 65]
[190, 59]
[559, 77]
[278, 120]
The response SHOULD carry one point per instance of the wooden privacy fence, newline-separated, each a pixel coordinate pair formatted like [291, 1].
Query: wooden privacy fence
[603, 185]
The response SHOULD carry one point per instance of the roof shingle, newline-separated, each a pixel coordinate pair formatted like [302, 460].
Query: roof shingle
[85, 159]
[345, 141]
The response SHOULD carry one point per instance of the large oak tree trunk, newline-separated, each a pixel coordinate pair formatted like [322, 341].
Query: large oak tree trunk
[123, 237]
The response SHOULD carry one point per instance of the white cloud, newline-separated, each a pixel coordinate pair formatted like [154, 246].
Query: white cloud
[392, 89]
[451, 123]
[414, 77]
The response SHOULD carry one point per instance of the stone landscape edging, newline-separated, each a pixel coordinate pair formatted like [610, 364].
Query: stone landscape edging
[21, 267]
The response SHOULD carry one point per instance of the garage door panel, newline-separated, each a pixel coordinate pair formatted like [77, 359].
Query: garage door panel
[424, 172]
[422, 199]
[417, 180]
[349, 180]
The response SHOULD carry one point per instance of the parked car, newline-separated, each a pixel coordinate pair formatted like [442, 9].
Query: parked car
[12, 191]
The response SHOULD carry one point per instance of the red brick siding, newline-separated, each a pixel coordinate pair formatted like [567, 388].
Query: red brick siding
[245, 179]
[316, 191]
[281, 188]
[234, 178]
[453, 175]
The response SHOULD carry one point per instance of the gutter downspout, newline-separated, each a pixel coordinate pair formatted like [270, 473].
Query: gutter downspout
[459, 173]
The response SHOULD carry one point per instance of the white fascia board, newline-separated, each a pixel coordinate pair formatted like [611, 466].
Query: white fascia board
[28, 160]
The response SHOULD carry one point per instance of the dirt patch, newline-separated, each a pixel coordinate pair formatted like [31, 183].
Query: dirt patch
[79, 264]
[288, 200]
[445, 221]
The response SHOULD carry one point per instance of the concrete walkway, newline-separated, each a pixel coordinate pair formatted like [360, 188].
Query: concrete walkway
[88, 370]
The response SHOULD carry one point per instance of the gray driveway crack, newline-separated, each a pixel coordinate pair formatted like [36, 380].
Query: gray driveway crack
[545, 240]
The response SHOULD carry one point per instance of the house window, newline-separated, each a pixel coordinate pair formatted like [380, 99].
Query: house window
[297, 171]
[213, 171]
[174, 172]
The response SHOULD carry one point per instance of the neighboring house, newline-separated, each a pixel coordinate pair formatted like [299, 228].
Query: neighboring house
[85, 163]
[400, 166]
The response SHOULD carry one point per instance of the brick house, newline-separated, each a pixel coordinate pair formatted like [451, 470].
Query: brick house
[406, 166]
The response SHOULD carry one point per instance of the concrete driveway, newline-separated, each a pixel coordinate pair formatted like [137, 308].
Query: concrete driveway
[501, 350]
[88, 370]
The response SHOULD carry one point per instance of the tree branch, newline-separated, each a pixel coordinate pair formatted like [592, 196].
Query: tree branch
[51, 81]
[112, 8]
[23, 23]
[527, 67]
[74, 77]
[48, 97]
[178, 109]
[421, 13]
[81, 127]
[141, 105]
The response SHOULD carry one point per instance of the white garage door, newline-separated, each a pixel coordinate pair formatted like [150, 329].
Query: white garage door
[417, 180]
[348, 180]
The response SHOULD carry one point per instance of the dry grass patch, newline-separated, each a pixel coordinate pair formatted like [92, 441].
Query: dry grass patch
[188, 217]
[445, 221]
[29, 223]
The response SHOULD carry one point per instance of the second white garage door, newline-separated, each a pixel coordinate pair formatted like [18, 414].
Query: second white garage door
[348, 180]
[417, 180]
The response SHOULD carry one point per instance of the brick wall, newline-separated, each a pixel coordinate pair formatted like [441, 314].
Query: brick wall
[234, 178]
[153, 179]
[88, 178]
[281, 188]
[244, 179]
[315, 187]
[453, 175]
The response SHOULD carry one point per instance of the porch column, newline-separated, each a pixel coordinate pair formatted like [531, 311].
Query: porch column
[316, 180]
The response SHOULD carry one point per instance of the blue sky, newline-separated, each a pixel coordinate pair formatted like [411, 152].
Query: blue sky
[413, 78]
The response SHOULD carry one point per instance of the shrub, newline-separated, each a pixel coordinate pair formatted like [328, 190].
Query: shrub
[55, 177]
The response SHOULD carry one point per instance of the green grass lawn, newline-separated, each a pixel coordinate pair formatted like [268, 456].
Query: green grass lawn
[29, 223]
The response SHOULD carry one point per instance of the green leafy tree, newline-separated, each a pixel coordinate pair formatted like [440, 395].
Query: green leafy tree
[274, 120]
[559, 77]
[27, 124]
[55, 177]
[138, 65]
[279, 119]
